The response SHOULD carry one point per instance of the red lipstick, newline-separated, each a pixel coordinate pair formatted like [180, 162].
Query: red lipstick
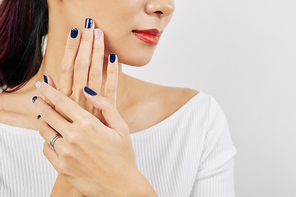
[149, 36]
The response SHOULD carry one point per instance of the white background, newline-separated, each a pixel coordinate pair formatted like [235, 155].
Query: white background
[244, 54]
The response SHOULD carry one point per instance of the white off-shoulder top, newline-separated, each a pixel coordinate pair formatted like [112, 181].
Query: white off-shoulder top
[189, 154]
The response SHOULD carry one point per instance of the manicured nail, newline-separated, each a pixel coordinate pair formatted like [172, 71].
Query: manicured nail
[34, 99]
[74, 32]
[38, 84]
[98, 33]
[45, 78]
[89, 91]
[112, 57]
[88, 23]
[38, 117]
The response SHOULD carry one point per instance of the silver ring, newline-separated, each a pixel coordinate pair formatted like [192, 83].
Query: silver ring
[52, 141]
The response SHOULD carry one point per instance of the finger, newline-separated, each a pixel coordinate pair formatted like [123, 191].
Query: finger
[67, 106]
[106, 106]
[46, 131]
[51, 117]
[110, 90]
[51, 155]
[96, 68]
[83, 59]
[67, 67]
[51, 82]
[48, 80]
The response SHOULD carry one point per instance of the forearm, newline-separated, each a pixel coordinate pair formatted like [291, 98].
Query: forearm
[142, 187]
[63, 188]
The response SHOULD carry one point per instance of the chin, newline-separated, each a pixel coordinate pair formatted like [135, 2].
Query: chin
[136, 58]
[133, 53]
[137, 61]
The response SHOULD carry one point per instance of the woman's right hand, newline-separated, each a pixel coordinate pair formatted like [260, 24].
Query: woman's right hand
[82, 66]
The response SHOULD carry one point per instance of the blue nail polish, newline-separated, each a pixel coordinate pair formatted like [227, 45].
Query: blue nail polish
[38, 117]
[45, 78]
[89, 91]
[88, 23]
[34, 99]
[74, 32]
[112, 57]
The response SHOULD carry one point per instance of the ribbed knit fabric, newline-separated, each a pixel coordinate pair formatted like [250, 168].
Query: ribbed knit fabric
[189, 154]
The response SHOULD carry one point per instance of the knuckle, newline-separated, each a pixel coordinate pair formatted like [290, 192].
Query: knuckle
[66, 68]
[46, 112]
[81, 64]
[106, 102]
[60, 99]
[65, 152]
[87, 125]
[63, 169]
[66, 92]
[113, 70]
[94, 72]
[107, 105]
[109, 88]
[86, 36]
[71, 45]
[42, 130]
[73, 138]
[97, 47]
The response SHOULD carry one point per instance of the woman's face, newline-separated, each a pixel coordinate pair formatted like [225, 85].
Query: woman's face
[118, 19]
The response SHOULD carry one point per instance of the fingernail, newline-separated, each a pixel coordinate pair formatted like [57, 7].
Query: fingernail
[90, 91]
[112, 57]
[98, 33]
[74, 32]
[34, 99]
[88, 23]
[38, 84]
[38, 117]
[45, 78]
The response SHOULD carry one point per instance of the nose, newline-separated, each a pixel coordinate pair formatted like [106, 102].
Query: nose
[160, 7]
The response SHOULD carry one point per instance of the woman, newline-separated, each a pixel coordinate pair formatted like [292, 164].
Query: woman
[105, 133]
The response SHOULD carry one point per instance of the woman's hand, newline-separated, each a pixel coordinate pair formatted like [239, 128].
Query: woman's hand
[83, 60]
[80, 163]
[97, 159]
[62, 188]
[82, 65]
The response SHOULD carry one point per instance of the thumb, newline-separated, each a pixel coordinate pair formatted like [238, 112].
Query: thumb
[108, 110]
[47, 79]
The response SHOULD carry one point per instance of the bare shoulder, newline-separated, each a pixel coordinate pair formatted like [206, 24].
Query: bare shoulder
[173, 98]
[177, 97]
[149, 104]
[165, 94]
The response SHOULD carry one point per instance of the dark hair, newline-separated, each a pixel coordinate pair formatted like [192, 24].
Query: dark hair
[23, 23]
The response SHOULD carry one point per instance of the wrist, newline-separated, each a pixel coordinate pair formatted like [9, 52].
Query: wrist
[142, 187]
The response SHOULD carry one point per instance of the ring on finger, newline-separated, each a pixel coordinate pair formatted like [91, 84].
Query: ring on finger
[53, 139]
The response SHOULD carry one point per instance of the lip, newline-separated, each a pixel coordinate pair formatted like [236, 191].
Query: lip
[154, 32]
[149, 36]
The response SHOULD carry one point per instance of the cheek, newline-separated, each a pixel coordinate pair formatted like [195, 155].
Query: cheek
[115, 15]
[117, 24]
[129, 49]
[117, 19]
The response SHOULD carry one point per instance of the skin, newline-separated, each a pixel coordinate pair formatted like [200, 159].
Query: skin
[136, 101]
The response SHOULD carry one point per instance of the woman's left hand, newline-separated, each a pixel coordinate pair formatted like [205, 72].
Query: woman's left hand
[97, 159]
